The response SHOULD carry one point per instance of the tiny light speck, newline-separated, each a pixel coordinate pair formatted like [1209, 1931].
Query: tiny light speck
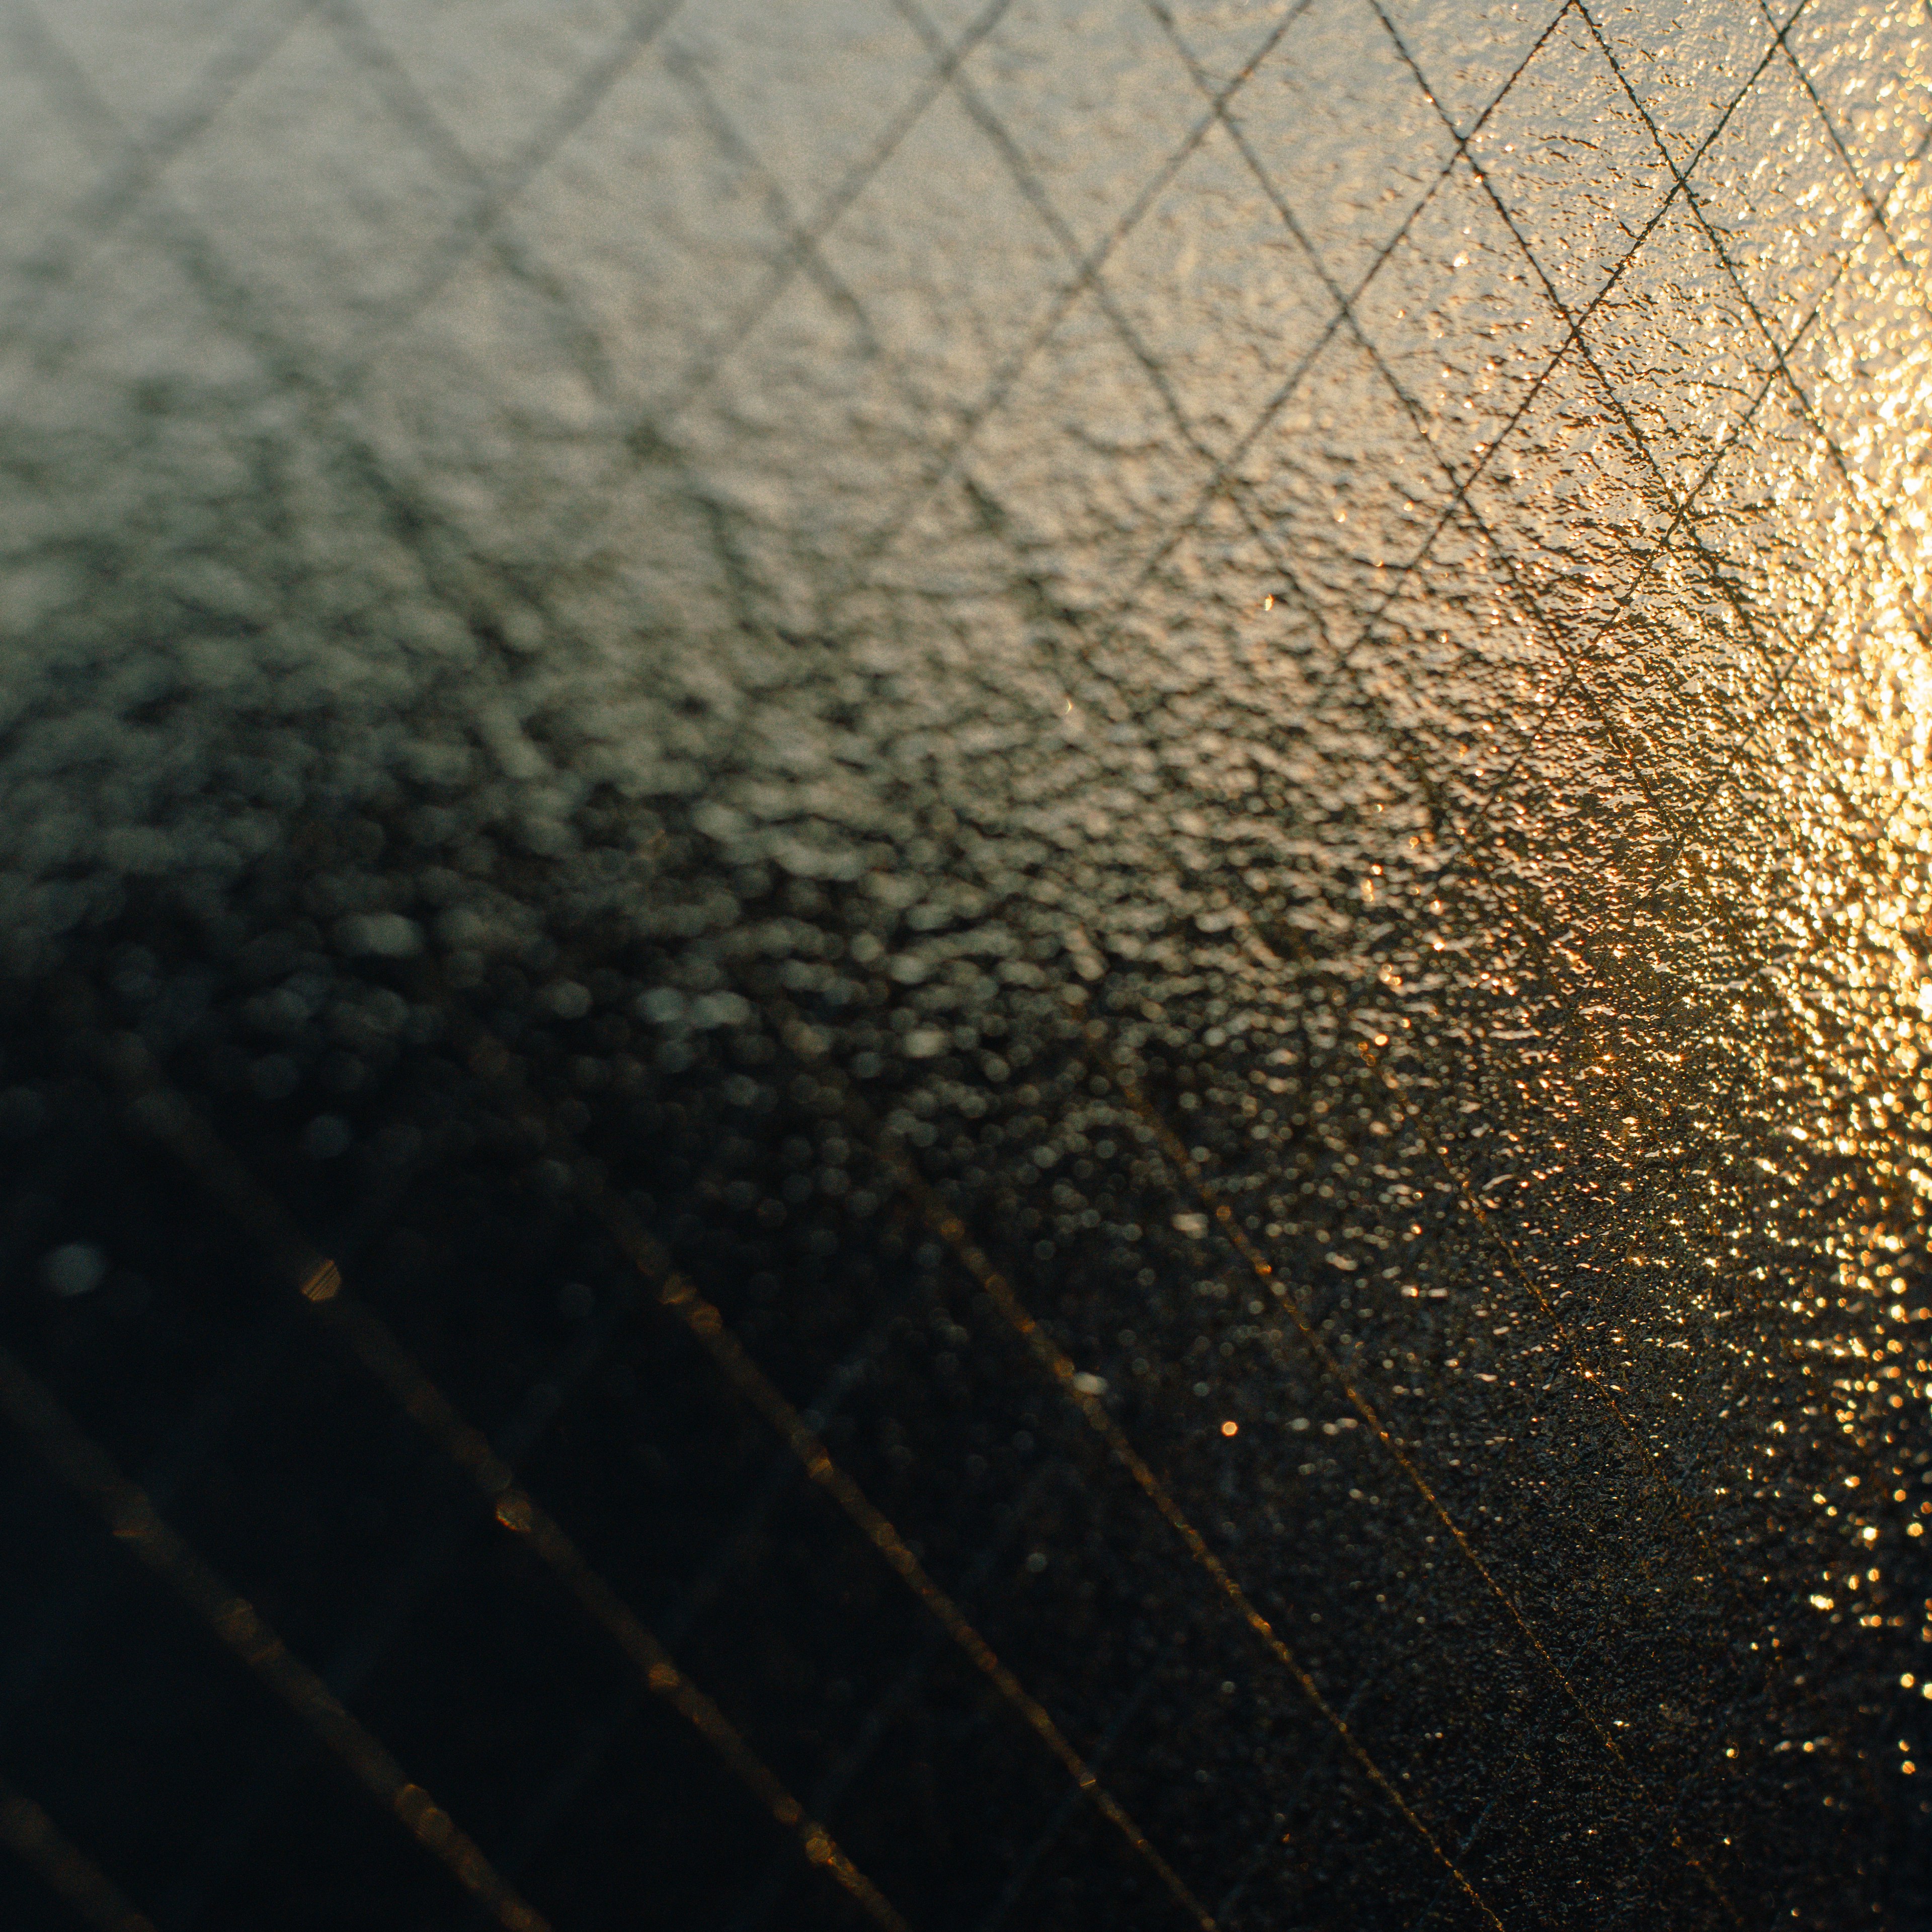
[77, 1269]
[1230, 1429]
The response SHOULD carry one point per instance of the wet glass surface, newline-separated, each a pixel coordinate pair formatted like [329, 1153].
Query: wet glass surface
[1086, 847]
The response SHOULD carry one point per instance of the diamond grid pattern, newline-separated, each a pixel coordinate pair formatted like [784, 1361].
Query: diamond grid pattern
[1096, 415]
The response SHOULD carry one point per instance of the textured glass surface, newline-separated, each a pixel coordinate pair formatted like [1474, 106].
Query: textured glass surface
[1085, 845]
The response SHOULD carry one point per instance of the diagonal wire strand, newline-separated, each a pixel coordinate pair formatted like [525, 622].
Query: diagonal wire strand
[358, 1657]
[129, 1515]
[169, 1118]
[993, 1285]
[870, 1732]
[518, 1511]
[1222, 1217]
[1061, 1815]
[708, 1326]
[27, 1830]
[600, 1732]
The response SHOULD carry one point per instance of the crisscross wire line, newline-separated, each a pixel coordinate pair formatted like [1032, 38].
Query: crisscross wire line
[495, 194]
[490, 195]
[804, 254]
[1580, 1357]
[852, 1760]
[1087, 267]
[183, 1455]
[144, 155]
[1311, 607]
[1258, 528]
[1911, 278]
[1638, 441]
[1223, 1215]
[1572, 338]
[1780, 33]
[1519, 584]
[1780, 371]
[27, 1830]
[1591, 1375]
[170, 1119]
[330, 395]
[1718, 579]
[1574, 326]
[1883, 514]
[91, 1473]
[235, 304]
[948, 1226]
[803, 243]
[951, 1230]
[1086, 274]
[944, 1222]
[598, 1735]
[395, 1600]
[705, 1322]
[804, 247]
[1472, 856]
[1227, 469]
[1223, 1219]
[707, 1325]
[1462, 480]
[1462, 1851]
[1526, 1757]
[1226, 466]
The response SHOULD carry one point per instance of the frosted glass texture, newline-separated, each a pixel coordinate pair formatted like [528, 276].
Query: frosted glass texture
[1190, 739]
